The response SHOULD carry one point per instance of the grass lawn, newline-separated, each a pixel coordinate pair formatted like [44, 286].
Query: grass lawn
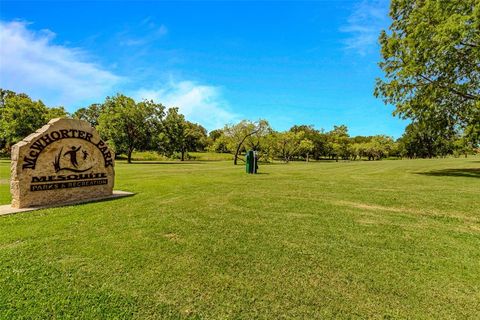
[387, 239]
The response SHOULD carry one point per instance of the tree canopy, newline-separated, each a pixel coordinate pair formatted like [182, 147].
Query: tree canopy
[89, 114]
[431, 62]
[180, 135]
[128, 125]
[21, 116]
[236, 135]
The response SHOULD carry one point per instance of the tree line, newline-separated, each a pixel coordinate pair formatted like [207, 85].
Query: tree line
[130, 126]
[430, 57]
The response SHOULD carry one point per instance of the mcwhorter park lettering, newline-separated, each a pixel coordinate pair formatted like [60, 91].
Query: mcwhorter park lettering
[44, 141]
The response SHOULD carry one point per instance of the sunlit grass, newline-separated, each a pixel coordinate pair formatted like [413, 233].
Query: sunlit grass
[398, 239]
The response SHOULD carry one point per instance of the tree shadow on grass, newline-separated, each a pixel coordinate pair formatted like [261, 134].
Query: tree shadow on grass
[463, 172]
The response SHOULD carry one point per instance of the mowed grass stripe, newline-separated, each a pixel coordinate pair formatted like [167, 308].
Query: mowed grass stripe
[361, 239]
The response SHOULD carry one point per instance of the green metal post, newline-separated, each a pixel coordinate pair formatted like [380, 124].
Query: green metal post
[248, 160]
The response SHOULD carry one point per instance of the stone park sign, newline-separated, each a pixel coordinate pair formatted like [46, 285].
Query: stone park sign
[65, 161]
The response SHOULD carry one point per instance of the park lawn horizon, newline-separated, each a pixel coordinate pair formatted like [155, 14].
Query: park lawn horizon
[204, 240]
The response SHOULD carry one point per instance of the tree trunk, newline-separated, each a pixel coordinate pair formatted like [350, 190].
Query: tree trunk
[183, 155]
[240, 145]
[236, 153]
[129, 155]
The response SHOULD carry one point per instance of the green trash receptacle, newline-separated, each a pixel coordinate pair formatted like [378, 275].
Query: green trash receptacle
[251, 165]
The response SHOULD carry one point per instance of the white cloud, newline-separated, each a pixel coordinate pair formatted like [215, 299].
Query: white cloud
[368, 18]
[199, 103]
[59, 75]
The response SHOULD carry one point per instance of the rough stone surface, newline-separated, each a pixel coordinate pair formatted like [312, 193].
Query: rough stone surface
[62, 162]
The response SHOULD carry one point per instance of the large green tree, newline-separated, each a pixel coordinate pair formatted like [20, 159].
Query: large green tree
[431, 62]
[317, 137]
[237, 135]
[180, 135]
[421, 140]
[378, 147]
[21, 116]
[89, 114]
[128, 125]
[339, 142]
[217, 142]
[289, 144]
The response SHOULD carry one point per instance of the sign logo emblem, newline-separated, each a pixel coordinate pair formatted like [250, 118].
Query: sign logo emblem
[72, 157]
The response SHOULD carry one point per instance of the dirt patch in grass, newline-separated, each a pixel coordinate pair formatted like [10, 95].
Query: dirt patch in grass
[365, 206]
[472, 222]
[11, 245]
[172, 236]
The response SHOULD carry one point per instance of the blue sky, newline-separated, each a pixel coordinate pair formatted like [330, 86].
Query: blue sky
[288, 62]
